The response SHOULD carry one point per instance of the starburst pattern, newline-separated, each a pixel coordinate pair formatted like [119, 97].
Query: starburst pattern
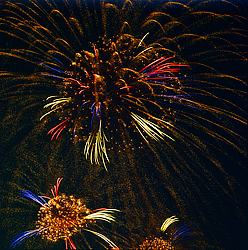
[102, 82]
[121, 81]
[62, 216]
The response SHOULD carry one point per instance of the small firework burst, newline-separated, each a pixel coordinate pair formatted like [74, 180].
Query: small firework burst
[167, 241]
[61, 217]
[155, 243]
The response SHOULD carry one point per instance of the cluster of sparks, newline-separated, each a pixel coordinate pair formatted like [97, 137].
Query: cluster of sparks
[155, 243]
[100, 81]
[61, 217]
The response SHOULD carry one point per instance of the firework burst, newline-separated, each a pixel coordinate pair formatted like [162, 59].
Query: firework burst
[118, 86]
[105, 82]
[169, 240]
[61, 217]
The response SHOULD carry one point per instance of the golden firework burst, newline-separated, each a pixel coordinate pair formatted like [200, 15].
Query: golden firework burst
[63, 216]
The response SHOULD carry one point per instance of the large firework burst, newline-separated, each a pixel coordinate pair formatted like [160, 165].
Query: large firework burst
[155, 93]
[120, 85]
[121, 81]
[104, 84]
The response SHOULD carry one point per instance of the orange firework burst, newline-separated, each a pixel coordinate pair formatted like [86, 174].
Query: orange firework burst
[62, 216]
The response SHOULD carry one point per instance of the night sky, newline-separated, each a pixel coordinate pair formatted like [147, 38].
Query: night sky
[201, 177]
